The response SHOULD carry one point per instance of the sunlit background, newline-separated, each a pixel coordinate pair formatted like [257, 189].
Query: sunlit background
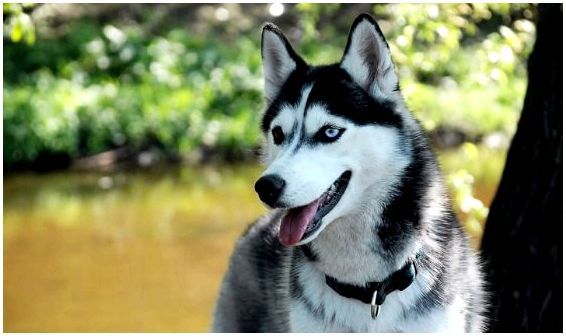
[131, 140]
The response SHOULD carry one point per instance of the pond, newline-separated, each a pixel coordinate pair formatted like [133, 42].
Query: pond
[138, 250]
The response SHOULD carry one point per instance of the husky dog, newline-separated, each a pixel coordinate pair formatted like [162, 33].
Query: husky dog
[362, 237]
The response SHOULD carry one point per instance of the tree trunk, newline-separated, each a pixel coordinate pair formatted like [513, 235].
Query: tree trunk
[522, 243]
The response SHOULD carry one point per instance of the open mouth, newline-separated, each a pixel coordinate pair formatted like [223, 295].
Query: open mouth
[301, 222]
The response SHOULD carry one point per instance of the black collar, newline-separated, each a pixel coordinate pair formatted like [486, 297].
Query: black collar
[374, 293]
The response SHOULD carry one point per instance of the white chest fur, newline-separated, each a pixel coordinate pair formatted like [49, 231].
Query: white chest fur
[321, 309]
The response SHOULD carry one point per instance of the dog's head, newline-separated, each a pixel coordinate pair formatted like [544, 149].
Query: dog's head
[333, 133]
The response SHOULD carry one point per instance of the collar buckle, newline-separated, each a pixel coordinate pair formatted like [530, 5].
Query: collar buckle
[374, 306]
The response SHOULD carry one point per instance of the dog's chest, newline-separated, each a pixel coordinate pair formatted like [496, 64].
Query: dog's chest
[337, 315]
[316, 307]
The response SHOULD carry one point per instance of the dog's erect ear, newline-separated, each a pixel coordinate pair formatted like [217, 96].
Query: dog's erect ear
[279, 60]
[368, 60]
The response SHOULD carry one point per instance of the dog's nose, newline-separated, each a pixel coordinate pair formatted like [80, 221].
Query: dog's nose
[269, 188]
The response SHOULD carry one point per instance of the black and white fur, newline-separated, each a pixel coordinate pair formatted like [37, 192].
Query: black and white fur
[395, 205]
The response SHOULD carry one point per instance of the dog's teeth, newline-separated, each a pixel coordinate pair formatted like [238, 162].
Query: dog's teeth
[329, 195]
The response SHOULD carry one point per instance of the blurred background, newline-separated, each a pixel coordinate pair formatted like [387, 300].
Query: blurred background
[131, 141]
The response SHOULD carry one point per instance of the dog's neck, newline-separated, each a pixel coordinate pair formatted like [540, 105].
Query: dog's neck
[348, 250]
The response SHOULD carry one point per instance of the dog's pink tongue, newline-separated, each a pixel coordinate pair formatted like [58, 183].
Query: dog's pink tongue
[295, 223]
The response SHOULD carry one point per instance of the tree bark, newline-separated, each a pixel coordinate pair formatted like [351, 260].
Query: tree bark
[522, 243]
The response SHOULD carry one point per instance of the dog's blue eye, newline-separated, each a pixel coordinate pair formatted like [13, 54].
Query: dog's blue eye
[278, 135]
[331, 132]
[328, 134]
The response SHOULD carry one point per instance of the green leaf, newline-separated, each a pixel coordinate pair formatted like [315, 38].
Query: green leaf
[17, 30]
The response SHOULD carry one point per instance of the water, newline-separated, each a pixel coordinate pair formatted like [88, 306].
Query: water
[138, 251]
[124, 251]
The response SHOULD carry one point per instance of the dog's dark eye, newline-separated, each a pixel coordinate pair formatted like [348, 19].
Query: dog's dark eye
[329, 133]
[278, 135]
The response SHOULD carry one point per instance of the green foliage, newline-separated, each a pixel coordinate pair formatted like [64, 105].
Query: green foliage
[448, 55]
[174, 92]
[473, 172]
[94, 87]
[473, 209]
[20, 25]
